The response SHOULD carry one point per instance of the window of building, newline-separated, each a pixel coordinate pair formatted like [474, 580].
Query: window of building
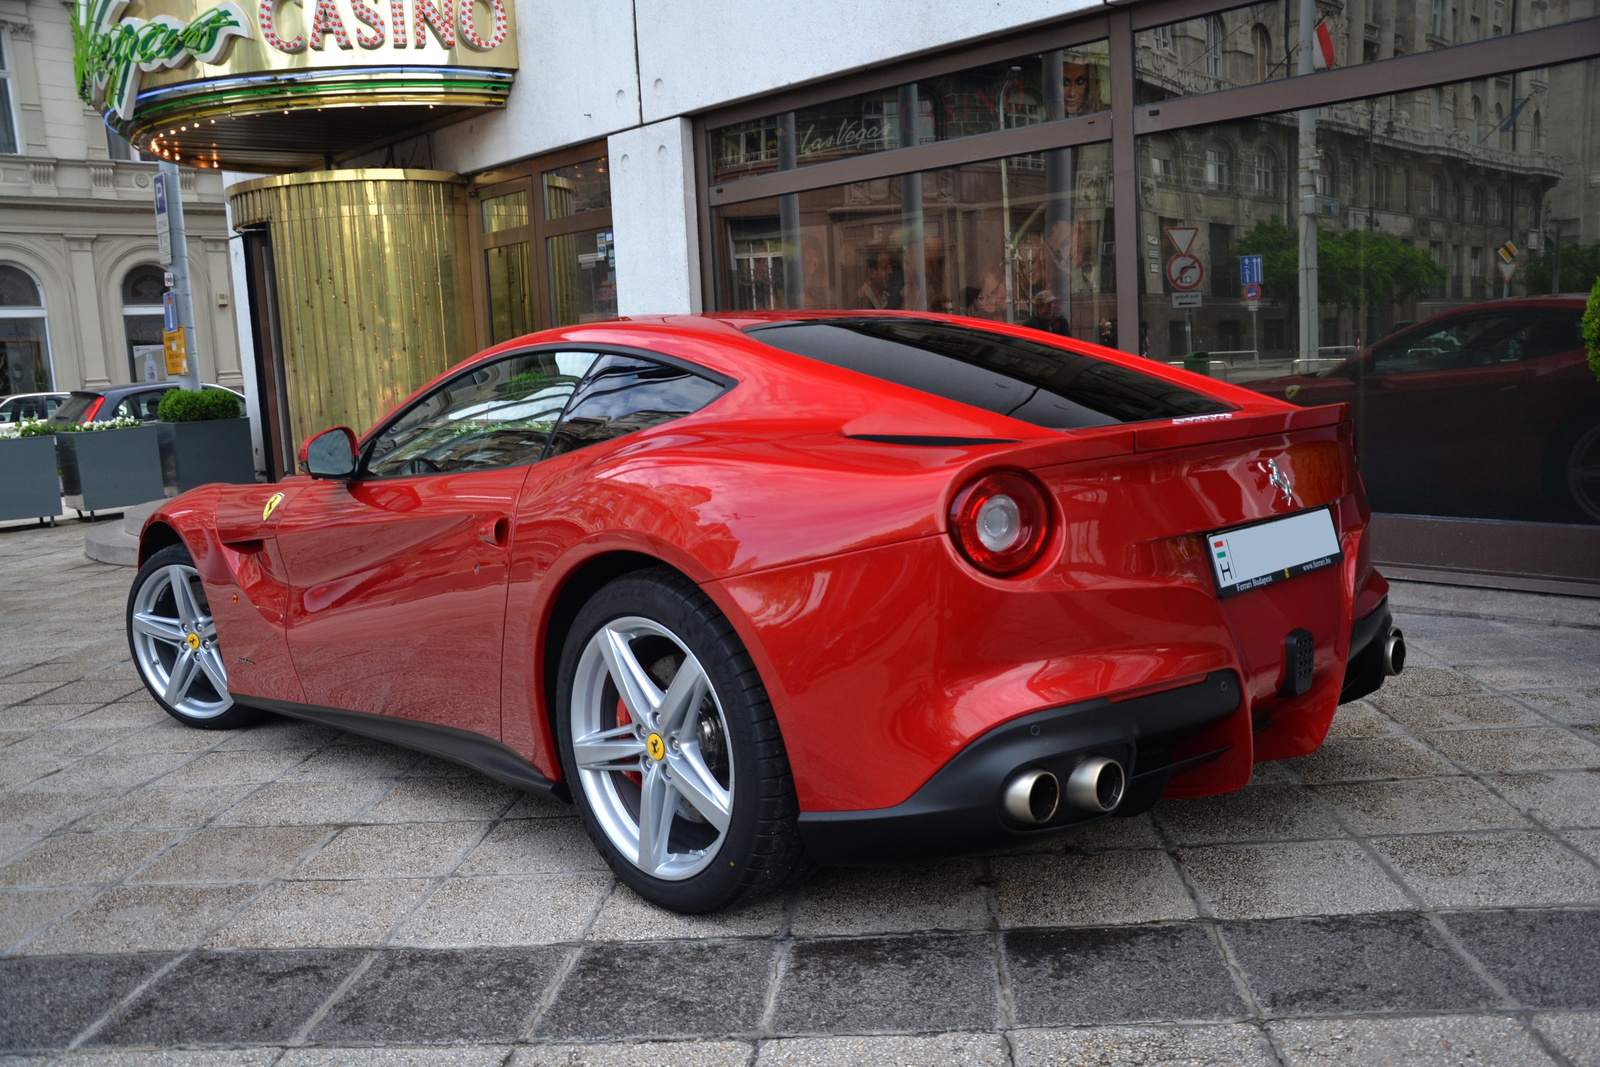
[1163, 169]
[544, 245]
[24, 335]
[1217, 167]
[143, 290]
[8, 115]
[1435, 197]
[1497, 207]
[1479, 200]
[1436, 107]
[1436, 18]
[1215, 32]
[1261, 42]
[1161, 38]
[1266, 180]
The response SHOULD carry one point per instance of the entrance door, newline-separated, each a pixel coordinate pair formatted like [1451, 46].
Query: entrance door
[398, 577]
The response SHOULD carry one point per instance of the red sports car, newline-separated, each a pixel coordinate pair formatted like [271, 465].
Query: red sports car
[759, 591]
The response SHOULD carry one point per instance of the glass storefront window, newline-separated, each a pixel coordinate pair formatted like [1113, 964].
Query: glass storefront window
[583, 276]
[577, 190]
[1026, 239]
[506, 212]
[1441, 246]
[1262, 42]
[24, 348]
[1060, 84]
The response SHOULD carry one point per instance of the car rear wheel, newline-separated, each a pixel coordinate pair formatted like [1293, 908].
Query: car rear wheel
[1583, 472]
[174, 643]
[669, 743]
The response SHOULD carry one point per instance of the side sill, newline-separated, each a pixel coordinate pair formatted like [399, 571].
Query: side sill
[482, 754]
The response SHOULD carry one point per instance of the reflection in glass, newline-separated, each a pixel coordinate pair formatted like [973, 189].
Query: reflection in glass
[510, 281]
[1262, 42]
[577, 190]
[583, 277]
[1026, 240]
[1049, 86]
[1430, 249]
[24, 364]
[505, 212]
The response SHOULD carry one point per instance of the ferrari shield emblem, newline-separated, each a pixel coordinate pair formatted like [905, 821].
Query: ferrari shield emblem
[1289, 393]
[272, 505]
[657, 747]
[193, 640]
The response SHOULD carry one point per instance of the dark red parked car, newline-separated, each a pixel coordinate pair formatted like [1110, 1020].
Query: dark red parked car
[1489, 411]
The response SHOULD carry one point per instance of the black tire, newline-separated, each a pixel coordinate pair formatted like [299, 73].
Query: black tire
[760, 852]
[1578, 450]
[229, 717]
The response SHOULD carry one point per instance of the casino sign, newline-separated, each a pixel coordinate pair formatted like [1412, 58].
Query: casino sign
[278, 85]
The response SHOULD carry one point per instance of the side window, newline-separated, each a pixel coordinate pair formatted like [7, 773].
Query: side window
[1545, 334]
[141, 406]
[623, 394]
[495, 415]
[1471, 342]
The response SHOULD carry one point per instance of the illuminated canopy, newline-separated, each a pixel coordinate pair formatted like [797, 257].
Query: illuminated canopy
[283, 84]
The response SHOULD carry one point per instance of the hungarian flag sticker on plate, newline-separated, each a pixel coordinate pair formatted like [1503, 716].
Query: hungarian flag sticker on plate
[1249, 557]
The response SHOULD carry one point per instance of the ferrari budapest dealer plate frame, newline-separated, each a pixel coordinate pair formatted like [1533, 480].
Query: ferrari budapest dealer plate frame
[1249, 557]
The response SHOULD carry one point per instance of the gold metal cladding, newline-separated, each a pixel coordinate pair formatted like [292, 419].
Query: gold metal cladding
[373, 290]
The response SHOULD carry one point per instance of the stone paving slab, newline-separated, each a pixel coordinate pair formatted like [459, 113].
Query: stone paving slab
[1425, 889]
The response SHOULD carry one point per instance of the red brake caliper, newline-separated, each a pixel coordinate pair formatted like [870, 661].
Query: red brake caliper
[623, 719]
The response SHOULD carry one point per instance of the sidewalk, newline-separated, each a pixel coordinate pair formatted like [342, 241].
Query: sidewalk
[1425, 889]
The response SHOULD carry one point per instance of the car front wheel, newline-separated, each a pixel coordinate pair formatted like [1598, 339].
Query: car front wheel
[174, 643]
[671, 748]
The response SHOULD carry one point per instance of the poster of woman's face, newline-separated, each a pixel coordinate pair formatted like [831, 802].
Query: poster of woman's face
[1084, 82]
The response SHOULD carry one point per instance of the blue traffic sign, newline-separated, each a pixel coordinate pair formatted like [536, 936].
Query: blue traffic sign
[1250, 270]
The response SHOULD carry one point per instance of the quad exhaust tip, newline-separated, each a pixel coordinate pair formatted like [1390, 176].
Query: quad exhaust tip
[1096, 785]
[1033, 796]
[1394, 653]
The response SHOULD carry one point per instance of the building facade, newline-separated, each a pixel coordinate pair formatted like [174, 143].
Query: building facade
[1272, 191]
[80, 284]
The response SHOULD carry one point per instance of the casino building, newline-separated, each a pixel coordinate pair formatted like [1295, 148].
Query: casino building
[409, 181]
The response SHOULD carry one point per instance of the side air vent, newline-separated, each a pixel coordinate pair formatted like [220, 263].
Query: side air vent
[1299, 650]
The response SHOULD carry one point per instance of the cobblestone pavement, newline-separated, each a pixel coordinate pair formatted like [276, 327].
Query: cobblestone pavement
[1425, 889]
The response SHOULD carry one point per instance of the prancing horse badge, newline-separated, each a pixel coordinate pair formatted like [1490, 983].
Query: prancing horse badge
[272, 505]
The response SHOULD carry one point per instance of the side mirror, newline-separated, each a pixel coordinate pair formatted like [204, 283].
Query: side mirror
[330, 454]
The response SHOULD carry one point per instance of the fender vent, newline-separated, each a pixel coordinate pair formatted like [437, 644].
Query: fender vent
[1299, 651]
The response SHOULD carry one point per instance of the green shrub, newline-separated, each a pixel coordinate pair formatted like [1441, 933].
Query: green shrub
[1591, 328]
[202, 405]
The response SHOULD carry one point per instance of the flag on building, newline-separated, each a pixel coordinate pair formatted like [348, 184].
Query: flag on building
[1511, 119]
[1322, 57]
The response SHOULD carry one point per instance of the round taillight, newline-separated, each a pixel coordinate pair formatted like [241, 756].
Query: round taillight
[1000, 522]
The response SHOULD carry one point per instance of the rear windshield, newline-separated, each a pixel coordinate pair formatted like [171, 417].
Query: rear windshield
[73, 407]
[1036, 383]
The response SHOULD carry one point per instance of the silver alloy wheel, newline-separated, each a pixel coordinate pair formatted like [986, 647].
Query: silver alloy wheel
[1583, 472]
[175, 643]
[661, 785]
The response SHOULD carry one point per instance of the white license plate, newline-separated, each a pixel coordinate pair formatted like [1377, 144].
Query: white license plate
[1249, 557]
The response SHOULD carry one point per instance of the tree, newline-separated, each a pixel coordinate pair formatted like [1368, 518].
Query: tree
[1353, 266]
[1580, 266]
[1591, 328]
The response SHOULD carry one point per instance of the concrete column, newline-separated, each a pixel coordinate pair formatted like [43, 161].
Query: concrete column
[653, 198]
[222, 341]
[93, 369]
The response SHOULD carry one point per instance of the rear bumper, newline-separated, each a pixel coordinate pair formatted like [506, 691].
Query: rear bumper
[959, 809]
[1364, 672]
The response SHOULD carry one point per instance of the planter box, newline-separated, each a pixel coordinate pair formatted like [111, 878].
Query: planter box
[103, 469]
[199, 453]
[29, 488]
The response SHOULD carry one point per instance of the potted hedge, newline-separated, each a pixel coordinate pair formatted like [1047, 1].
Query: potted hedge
[204, 439]
[29, 488]
[108, 465]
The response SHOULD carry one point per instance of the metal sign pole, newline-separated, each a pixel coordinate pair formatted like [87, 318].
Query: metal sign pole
[174, 248]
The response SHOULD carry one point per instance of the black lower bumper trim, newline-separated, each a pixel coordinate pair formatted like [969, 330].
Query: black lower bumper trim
[1363, 673]
[483, 754]
[958, 809]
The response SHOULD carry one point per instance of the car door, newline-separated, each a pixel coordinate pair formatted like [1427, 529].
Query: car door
[1432, 409]
[397, 576]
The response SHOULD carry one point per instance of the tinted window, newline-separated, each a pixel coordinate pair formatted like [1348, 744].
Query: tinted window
[623, 394]
[495, 415]
[141, 406]
[73, 408]
[1036, 383]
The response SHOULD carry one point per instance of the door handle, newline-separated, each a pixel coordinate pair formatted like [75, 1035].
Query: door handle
[496, 532]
